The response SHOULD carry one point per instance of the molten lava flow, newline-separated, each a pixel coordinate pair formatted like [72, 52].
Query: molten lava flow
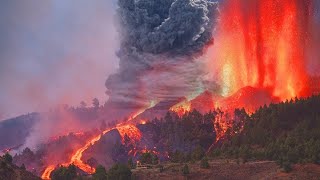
[47, 172]
[131, 131]
[76, 158]
[262, 44]
[181, 108]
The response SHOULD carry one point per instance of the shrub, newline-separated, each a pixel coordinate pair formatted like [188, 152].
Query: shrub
[119, 172]
[185, 170]
[7, 158]
[286, 166]
[204, 164]
[64, 173]
[100, 174]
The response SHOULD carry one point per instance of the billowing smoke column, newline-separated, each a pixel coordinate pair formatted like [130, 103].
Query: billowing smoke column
[160, 42]
[266, 44]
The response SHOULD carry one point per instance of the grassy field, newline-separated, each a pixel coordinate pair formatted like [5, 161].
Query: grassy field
[229, 170]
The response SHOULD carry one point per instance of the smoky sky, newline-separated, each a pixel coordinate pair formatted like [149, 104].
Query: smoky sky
[54, 52]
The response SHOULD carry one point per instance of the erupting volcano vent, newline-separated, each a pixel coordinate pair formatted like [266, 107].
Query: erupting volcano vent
[264, 44]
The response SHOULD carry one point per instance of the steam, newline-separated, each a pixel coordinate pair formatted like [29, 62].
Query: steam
[160, 50]
[52, 53]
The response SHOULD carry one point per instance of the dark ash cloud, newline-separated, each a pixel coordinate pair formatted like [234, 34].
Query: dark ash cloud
[160, 44]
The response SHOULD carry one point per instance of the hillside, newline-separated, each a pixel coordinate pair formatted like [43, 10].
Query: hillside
[9, 171]
[287, 132]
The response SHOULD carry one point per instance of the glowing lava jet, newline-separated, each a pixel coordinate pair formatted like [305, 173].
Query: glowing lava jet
[263, 44]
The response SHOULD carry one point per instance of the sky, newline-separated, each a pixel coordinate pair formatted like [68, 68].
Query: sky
[54, 52]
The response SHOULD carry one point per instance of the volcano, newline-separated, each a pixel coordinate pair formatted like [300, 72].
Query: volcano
[249, 98]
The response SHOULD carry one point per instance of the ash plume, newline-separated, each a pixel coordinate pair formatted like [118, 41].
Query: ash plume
[161, 42]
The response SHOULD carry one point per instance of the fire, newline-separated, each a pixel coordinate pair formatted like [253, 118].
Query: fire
[47, 172]
[131, 131]
[262, 44]
[181, 108]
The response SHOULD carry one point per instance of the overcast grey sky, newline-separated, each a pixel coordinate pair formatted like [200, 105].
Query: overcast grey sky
[54, 51]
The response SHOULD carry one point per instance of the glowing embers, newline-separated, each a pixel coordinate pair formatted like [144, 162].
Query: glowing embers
[143, 122]
[181, 108]
[131, 131]
[262, 44]
[221, 125]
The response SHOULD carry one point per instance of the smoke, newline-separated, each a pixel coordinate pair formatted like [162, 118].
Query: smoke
[63, 122]
[54, 52]
[169, 26]
[161, 42]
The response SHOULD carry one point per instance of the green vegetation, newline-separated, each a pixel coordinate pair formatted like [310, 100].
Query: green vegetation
[7, 158]
[161, 168]
[64, 173]
[149, 158]
[100, 174]
[23, 167]
[185, 170]
[119, 172]
[131, 165]
[204, 164]
[288, 132]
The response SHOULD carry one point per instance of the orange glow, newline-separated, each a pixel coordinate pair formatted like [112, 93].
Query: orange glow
[262, 44]
[181, 108]
[76, 158]
[221, 126]
[131, 131]
[47, 172]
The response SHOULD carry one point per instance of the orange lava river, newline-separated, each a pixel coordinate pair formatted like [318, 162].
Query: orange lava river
[76, 157]
[124, 129]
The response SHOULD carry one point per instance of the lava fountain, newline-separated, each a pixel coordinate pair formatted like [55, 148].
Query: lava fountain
[263, 44]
